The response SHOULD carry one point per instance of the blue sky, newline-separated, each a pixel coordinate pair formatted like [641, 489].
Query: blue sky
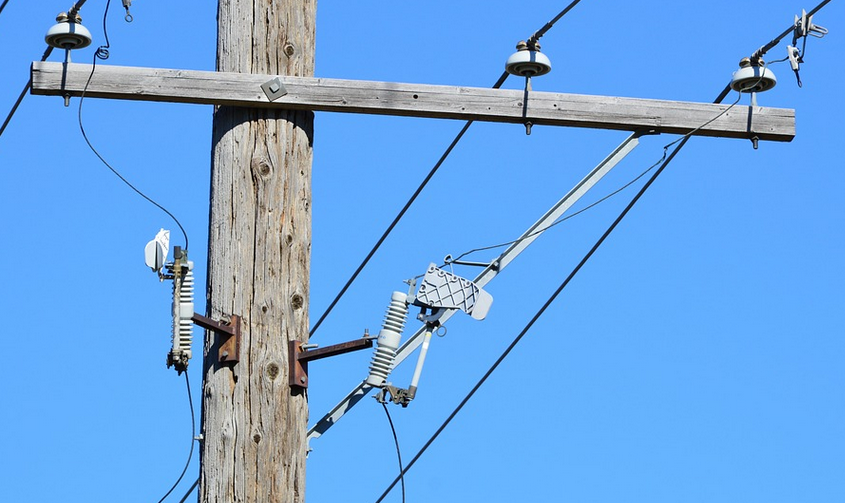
[697, 357]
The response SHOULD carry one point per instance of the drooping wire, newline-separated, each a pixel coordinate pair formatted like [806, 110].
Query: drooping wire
[425, 181]
[667, 159]
[25, 90]
[398, 451]
[103, 53]
[3, 5]
[193, 436]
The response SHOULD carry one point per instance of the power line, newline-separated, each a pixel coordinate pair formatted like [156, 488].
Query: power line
[664, 162]
[3, 5]
[542, 31]
[191, 452]
[398, 451]
[425, 181]
[681, 142]
[102, 53]
[23, 92]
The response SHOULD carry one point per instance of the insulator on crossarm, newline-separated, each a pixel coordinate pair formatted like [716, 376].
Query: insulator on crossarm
[388, 339]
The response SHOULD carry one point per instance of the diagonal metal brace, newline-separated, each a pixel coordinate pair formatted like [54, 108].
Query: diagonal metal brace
[228, 334]
[299, 356]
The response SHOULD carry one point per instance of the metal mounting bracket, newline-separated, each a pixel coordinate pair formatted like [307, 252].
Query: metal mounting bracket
[299, 355]
[274, 89]
[228, 334]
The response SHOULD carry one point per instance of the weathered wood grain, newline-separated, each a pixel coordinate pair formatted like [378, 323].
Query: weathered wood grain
[253, 427]
[416, 100]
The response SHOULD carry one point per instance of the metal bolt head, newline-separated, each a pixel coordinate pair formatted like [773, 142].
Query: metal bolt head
[302, 379]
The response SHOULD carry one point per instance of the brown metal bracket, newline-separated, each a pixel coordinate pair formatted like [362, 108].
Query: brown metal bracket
[228, 336]
[298, 358]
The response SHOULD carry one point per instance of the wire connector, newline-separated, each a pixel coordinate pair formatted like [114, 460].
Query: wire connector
[126, 5]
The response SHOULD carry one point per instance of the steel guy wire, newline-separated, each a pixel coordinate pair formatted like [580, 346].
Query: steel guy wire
[536, 36]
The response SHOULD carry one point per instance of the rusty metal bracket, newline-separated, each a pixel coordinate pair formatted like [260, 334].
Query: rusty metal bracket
[299, 356]
[228, 336]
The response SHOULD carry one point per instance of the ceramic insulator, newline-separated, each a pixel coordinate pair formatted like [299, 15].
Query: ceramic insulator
[388, 339]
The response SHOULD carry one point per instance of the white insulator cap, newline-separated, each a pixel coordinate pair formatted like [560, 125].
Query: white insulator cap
[527, 62]
[752, 79]
[68, 35]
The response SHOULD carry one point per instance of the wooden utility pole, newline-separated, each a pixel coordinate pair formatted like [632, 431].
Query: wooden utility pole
[254, 419]
[253, 425]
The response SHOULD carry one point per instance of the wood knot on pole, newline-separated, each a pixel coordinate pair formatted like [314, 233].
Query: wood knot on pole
[297, 301]
[261, 167]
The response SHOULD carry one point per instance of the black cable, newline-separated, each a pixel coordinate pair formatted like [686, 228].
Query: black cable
[402, 212]
[190, 490]
[680, 144]
[398, 452]
[775, 41]
[3, 5]
[191, 452]
[372, 252]
[608, 196]
[103, 53]
[561, 219]
[47, 53]
[542, 31]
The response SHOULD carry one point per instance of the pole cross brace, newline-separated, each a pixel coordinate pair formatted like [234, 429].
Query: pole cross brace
[299, 356]
[228, 334]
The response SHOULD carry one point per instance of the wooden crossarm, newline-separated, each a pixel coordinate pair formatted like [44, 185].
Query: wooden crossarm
[415, 100]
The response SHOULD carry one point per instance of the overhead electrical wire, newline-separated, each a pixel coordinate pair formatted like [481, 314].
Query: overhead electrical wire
[25, 90]
[398, 451]
[664, 162]
[71, 12]
[604, 198]
[425, 181]
[103, 53]
[193, 436]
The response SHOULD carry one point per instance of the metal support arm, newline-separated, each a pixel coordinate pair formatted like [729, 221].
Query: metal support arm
[490, 272]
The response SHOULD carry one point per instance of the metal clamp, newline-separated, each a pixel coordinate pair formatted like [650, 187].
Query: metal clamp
[228, 336]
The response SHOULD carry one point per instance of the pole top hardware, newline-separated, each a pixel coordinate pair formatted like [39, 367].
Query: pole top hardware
[68, 33]
[753, 76]
[300, 353]
[528, 61]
